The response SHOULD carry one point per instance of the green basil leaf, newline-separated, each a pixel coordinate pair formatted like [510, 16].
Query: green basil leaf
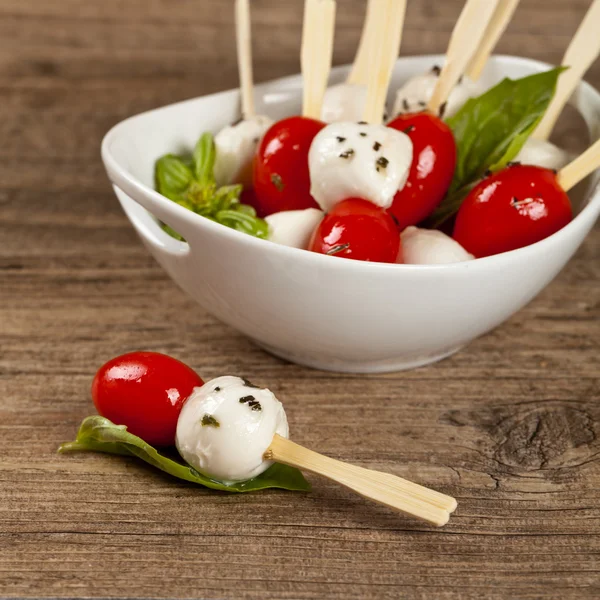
[491, 129]
[243, 222]
[173, 177]
[227, 196]
[245, 208]
[101, 435]
[205, 155]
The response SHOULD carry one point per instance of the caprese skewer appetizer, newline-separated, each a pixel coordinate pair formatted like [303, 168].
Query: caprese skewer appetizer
[236, 144]
[228, 431]
[281, 180]
[581, 53]
[357, 168]
[446, 89]
[356, 188]
[520, 205]
[434, 146]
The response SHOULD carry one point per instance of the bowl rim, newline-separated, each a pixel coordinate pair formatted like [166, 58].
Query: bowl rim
[117, 173]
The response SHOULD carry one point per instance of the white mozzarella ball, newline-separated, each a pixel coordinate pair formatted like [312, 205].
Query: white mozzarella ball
[414, 95]
[543, 154]
[430, 247]
[226, 426]
[294, 228]
[344, 102]
[354, 160]
[236, 146]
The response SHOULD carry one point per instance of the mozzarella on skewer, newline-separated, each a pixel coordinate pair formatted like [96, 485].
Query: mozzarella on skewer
[542, 154]
[294, 228]
[430, 247]
[344, 102]
[356, 160]
[235, 147]
[414, 95]
[226, 426]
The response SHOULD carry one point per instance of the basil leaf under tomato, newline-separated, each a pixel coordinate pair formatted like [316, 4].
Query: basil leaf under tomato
[98, 434]
[491, 129]
[190, 182]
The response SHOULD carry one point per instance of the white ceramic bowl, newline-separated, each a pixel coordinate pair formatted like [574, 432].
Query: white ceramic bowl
[323, 311]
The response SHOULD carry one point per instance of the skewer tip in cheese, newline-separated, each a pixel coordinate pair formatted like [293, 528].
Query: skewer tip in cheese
[464, 41]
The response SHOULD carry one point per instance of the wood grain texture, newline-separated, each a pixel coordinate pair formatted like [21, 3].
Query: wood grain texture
[509, 426]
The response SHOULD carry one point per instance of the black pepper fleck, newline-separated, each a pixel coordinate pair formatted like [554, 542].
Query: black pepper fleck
[347, 153]
[408, 129]
[245, 399]
[249, 384]
[217, 389]
[254, 405]
[376, 146]
[256, 140]
[337, 249]
[210, 421]
[340, 139]
[277, 182]
[362, 123]
[382, 162]
[423, 104]
[362, 134]
[436, 69]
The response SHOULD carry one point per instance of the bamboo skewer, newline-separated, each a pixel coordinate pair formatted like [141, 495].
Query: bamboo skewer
[244, 56]
[388, 22]
[464, 41]
[359, 74]
[491, 35]
[581, 53]
[387, 489]
[569, 176]
[316, 53]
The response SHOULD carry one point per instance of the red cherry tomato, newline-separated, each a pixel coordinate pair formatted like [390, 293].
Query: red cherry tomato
[281, 178]
[144, 391]
[357, 229]
[517, 206]
[432, 169]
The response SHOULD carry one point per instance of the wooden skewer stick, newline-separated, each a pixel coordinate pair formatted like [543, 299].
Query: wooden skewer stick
[569, 176]
[387, 489]
[244, 56]
[581, 53]
[493, 31]
[386, 36]
[316, 53]
[359, 74]
[464, 41]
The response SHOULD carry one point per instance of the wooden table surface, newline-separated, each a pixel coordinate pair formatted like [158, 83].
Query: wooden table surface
[509, 425]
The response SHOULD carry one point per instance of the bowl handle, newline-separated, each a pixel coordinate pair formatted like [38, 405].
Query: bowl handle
[175, 216]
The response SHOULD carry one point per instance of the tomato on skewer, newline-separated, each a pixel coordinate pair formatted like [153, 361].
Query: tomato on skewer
[432, 169]
[144, 391]
[357, 229]
[515, 207]
[281, 178]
